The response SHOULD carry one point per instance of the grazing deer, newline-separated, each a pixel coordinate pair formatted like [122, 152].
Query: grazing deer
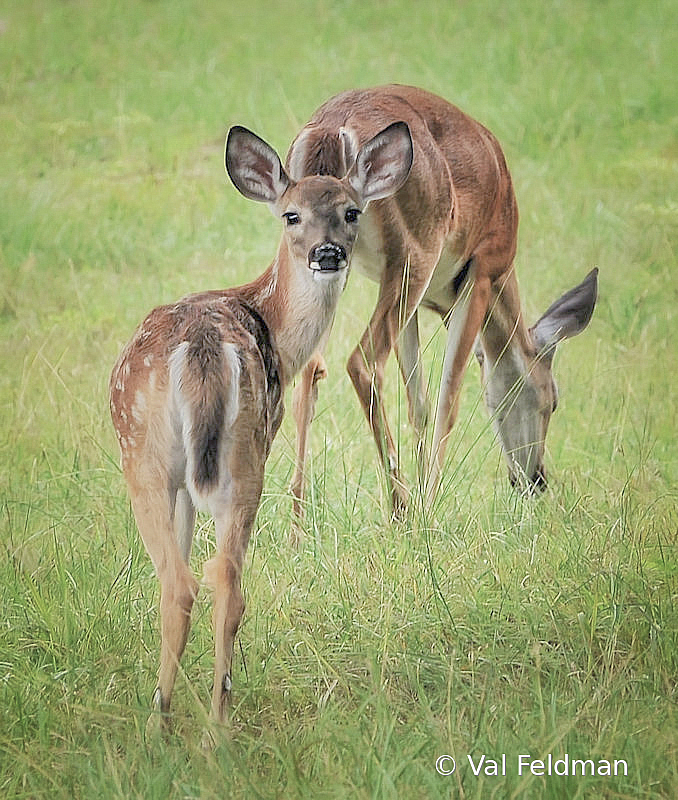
[445, 241]
[197, 395]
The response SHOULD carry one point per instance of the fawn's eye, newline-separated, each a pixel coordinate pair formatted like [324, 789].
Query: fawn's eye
[292, 218]
[352, 215]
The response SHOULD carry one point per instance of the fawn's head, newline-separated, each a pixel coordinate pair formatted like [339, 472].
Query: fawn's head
[320, 213]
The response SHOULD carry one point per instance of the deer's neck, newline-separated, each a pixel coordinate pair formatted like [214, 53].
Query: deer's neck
[297, 306]
[508, 350]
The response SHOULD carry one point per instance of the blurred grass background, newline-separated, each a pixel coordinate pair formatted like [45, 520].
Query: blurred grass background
[485, 625]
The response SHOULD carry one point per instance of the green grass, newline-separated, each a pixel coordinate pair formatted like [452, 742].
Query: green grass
[484, 625]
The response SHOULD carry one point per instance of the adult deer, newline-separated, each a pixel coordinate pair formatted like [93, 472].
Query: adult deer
[197, 395]
[445, 241]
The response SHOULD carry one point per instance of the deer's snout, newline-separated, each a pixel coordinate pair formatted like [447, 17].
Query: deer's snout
[327, 257]
[535, 484]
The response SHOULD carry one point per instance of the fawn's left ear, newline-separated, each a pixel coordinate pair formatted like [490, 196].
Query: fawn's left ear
[254, 166]
[567, 317]
[382, 164]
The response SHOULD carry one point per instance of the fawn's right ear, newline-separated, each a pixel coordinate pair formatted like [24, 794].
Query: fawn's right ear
[254, 166]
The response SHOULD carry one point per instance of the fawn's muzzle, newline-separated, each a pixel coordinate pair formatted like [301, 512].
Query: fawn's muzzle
[327, 257]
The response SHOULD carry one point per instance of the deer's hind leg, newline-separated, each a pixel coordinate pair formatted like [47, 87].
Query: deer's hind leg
[155, 508]
[303, 410]
[234, 518]
[403, 283]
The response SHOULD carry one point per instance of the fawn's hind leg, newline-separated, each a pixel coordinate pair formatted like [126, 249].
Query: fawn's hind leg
[178, 587]
[223, 573]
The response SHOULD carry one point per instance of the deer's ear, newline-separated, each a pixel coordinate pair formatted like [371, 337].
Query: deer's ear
[254, 166]
[348, 142]
[382, 164]
[568, 316]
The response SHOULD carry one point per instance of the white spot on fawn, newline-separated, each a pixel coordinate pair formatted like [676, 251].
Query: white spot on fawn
[139, 406]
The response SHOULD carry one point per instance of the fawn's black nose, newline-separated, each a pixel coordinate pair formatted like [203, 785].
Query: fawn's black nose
[327, 257]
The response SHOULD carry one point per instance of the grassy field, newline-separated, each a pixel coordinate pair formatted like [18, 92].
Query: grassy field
[486, 625]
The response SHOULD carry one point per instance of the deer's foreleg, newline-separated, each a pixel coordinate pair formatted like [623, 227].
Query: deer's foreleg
[464, 322]
[409, 360]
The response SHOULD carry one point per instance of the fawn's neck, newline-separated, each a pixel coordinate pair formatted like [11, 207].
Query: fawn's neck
[297, 305]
